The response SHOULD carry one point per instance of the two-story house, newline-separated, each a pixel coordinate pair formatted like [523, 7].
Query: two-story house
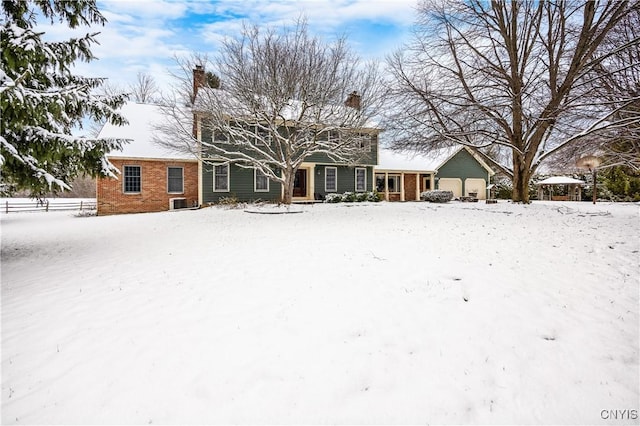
[325, 157]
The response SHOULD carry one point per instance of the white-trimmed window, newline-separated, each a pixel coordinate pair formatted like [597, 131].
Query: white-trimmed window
[361, 179]
[132, 182]
[330, 179]
[380, 186]
[221, 178]
[334, 136]
[393, 183]
[219, 136]
[260, 181]
[175, 180]
[263, 137]
[363, 142]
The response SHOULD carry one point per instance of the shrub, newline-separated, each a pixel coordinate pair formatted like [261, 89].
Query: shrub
[437, 196]
[373, 196]
[231, 202]
[333, 198]
[348, 197]
[361, 196]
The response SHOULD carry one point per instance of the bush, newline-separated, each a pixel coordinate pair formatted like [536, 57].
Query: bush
[349, 197]
[437, 196]
[373, 196]
[333, 198]
[231, 202]
[362, 196]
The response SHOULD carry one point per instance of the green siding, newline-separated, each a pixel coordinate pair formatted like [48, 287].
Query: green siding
[241, 186]
[463, 165]
[346, 179]
[241, 181]
[369, 158]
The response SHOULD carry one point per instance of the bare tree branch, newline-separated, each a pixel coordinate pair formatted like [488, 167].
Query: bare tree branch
[518, 75]
[282, 101]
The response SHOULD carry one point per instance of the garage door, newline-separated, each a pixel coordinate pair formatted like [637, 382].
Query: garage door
[476, 185]
[451, 184]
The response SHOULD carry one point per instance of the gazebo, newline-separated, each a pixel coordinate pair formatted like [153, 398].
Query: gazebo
[573, 188]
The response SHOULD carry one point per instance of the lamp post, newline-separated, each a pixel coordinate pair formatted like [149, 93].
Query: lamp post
[590, 162]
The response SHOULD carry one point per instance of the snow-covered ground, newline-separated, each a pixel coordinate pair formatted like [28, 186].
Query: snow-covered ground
[363, 313]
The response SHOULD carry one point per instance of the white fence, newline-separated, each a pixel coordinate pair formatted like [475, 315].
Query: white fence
[15, 205]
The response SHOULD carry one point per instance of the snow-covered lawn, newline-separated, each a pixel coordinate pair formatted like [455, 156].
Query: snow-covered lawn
[363, 313]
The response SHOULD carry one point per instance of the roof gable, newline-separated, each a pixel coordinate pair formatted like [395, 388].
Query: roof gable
[429, 162]
[402, 161]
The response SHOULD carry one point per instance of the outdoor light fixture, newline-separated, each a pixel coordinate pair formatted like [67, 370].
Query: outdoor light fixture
[590, 162]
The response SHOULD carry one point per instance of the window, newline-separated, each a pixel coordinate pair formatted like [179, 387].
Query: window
[263, 136]
[393, 183]
[261, 181]
[219, 136]
[330, 179]
[380, 182]
[132, 179]
[221, 178]
[175, 180]
[361, 180]
[363, 141]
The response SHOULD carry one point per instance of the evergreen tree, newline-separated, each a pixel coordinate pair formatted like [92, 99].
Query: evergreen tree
[42, 101]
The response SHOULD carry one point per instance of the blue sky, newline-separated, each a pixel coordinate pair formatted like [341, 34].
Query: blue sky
[144, 35]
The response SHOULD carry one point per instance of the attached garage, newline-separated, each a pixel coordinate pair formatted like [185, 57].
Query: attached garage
[475, 186]
[469, 172]
[403, 176]
[451, 184]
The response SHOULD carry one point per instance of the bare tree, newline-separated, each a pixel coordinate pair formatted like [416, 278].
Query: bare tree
[618, 79]
[145, 89]
[283, 100]
[516, 75]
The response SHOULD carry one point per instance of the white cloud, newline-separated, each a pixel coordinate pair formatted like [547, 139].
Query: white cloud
[146, 34]
[147, 9]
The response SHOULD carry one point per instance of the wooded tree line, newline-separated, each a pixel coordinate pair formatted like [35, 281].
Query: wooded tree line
[524, 83]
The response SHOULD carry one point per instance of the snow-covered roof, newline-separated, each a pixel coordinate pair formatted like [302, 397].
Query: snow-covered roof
[561, 180]
[142, 119]
[207, 97]
[393, 160]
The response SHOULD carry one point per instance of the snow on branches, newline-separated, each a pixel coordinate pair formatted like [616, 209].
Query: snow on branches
[42, 101]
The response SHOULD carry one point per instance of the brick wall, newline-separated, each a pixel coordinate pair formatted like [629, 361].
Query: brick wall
[410, 185]
[153, 196]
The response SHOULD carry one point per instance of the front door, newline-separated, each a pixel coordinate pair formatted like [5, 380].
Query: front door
[300, 183]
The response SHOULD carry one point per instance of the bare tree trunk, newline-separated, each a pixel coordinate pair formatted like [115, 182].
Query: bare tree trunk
[521, 176]
[289, 180]
[522, 75]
